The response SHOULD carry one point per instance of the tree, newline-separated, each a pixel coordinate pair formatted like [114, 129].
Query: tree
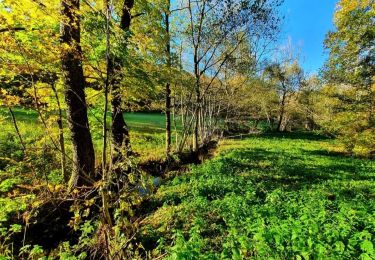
[120, 132]
[134, 71]
[350, 72]
[215, 30]
[286, 77]
[307, 99]
[71, 60]
[168, 84]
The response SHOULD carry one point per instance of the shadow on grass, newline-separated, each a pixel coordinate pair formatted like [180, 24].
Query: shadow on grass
[148, 129]
[295, 136]
[293, 171]
[246, 168]
[23, 115]
[251, 175]
[327, 153]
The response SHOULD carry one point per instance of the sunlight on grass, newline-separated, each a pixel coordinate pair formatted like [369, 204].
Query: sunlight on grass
[269, 197]
[146, 129]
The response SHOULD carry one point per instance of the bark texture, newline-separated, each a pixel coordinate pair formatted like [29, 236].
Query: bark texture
[71, 60]
[168, 89]
[120, 132]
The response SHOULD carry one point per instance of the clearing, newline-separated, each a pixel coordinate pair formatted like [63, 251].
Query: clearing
[272, 196]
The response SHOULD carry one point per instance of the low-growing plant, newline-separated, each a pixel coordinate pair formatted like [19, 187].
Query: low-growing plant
[269, 198]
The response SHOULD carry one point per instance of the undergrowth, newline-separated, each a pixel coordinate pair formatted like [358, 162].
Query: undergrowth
[268, 197]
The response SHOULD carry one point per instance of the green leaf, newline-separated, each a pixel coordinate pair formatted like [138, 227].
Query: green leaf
[339, 247]
[367, 247]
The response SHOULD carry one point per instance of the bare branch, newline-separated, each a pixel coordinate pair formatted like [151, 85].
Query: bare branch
[13, 29]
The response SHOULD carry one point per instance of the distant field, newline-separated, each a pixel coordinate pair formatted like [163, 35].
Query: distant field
[137, 121]
[145, 122]
[147, 129]
[291, 196]
[151, 122]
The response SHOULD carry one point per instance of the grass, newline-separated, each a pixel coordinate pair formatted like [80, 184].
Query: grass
[268, 197]
[146, 130]
[142, 122]
[145, 122]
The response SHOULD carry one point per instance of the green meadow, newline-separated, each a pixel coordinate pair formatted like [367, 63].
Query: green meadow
[279, 196]
[147, 129]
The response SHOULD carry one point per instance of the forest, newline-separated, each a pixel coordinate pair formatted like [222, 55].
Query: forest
[184, 129]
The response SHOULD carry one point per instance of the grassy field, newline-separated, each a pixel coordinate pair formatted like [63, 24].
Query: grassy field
[146, 129]
[268, 197]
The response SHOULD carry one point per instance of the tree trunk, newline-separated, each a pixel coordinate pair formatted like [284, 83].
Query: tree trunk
[282, 111]
[17, 131]
[61, 135]
[71, 60]
[174, 120]
[107, 219]
[167, 119]
[168, 88]
[120, 132]
[197, 105]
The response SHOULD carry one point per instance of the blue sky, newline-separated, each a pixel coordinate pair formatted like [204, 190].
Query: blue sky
[306, 23]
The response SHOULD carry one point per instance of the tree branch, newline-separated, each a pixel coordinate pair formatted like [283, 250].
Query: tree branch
[136, 15]
[13, 29]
